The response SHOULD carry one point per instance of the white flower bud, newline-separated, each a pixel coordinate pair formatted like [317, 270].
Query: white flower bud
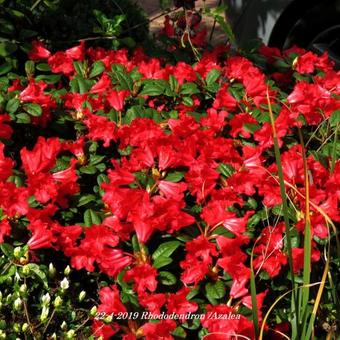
[23, 288]
[44, 313]
[17, 304]
[51, 270]
[67, 271]
[58, 302]
[64, 284]
[81, 296]
[17, 252]
[24, 327]
[70, 334]
[93, 311]
[45, 299]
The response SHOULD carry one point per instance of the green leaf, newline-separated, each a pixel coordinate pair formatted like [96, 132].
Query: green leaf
[165, 249]
[226, 170]
[167, 278]
[84, 85]
[38, 272]
[179, 333]
[49, 79]
[97, 68]
[173, 83]
[12, 105]
[7, 48]
[91, 217]
[79, 67]
[86, 199]
[161, 262]
[101, 179]
[189, 89]
[95, 159]
[154, 88]
[8, 273]
[187, 101]
[29, 68]
[212, 76]
[135, 244]
[174, 176]
[7, 249]
[88, 169]
[334, 119]
[215, 290]
[5, 68]
[43, 67]
[33, 109]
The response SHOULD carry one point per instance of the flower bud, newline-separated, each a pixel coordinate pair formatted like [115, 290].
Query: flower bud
[23, 288]
[70, 334]
[57, 302]
[17, 304]
[93, 311]
[108, 319]
[2, 335]
[54, 336]
[51, 270]
[26, 269]
[17, 252]
[67, 271]
[24, 327]
[8, 298]
[63, 326]
[64, 284]
[16, 328]
[44, 313]
[45, 299]
[81, 296]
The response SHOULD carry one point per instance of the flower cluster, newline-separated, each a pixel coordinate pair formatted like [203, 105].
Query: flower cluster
[163, 178]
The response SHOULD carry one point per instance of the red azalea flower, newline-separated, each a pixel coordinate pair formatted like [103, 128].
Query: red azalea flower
[144, 277]
[201, 179]
[229, 326]
[5, 230]
[298, 258]
[160, 330]
[224, 100]
[6, 164]
[152, 302]
[101, 129]
[238, 125]
[43, 156]
[42, 236]
[110, 301]
[117, 99]
[5, 129]
[38, 51]
[60, 62]
[179, 304]
[184, 72]
[77, 52]
[100, 329]
[102, 85]
[13, 199]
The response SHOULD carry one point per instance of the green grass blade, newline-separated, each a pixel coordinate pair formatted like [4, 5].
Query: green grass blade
[285, 207]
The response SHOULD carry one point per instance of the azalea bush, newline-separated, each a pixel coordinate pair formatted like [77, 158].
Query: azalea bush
[142, 199]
